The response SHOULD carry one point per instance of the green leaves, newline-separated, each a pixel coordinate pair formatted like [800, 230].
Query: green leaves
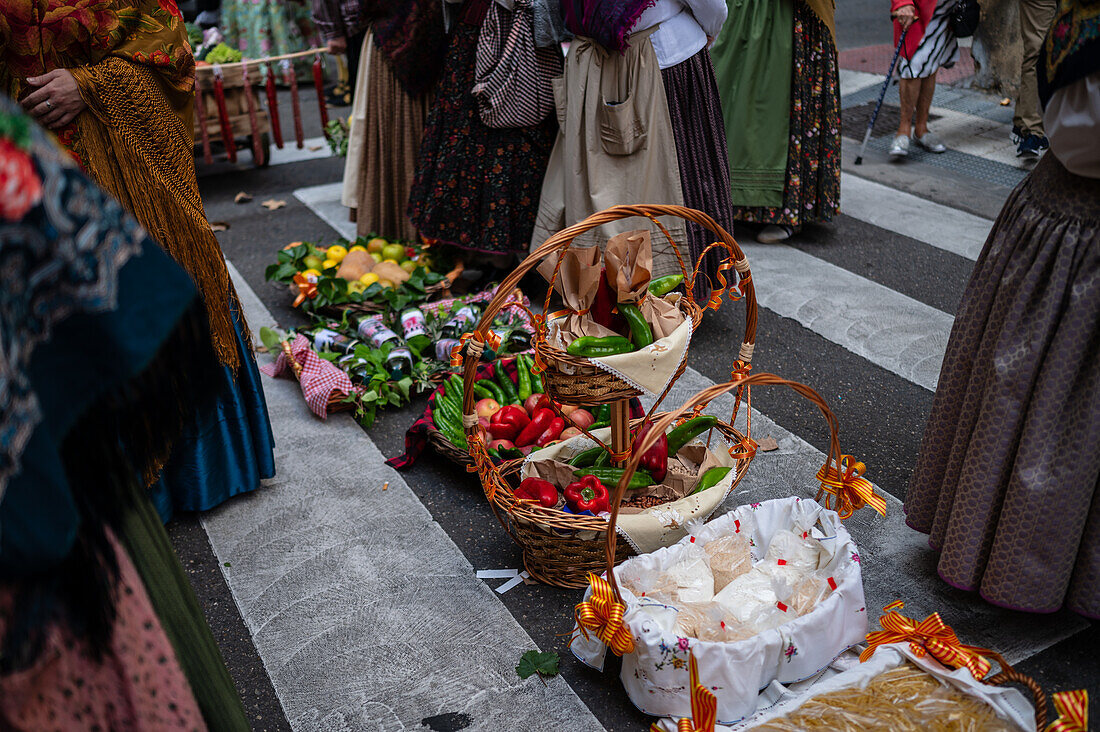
[537, 662]
[271, 339]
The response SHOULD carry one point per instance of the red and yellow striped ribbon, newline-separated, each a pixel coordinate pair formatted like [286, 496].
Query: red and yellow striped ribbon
[603, 615]
[851, 490]
[1073, 711]
[929, 636]
[490, 339]
[306, 289]
[704, 705]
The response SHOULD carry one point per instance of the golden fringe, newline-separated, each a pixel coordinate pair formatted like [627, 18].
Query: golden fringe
[140, 149]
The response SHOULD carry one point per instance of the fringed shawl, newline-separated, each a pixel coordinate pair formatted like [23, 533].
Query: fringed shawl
[608, 22]
[135, 71]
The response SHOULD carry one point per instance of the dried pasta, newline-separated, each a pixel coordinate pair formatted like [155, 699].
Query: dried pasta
[903, 699]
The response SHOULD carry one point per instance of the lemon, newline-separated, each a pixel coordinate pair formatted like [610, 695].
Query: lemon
[385, 283]
[392, 261]
[336, 252]
[357, 248]
[330, 263]
[356, 286]
[369, 278]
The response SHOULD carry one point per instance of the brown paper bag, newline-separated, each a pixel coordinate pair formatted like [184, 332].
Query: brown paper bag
[628, 258]
[577, 282]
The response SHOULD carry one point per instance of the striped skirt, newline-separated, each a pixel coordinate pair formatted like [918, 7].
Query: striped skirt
[700, 134]
[938, 47]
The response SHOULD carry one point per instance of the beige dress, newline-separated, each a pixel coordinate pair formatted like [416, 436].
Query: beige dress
[615, 146]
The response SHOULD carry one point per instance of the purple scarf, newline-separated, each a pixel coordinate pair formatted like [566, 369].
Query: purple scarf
[605, 21]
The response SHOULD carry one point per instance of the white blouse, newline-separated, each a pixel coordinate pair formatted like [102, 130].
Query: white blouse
[1072, 122]
[685, 25]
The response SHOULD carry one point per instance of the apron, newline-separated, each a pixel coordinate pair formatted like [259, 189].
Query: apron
[615, 146]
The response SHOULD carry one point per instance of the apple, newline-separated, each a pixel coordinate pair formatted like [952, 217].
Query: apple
[483, 423]
[582, 418]
[408, 265]
[501, 445]
[486, 407]
[312, 261]
[567, 409]
[530, 403]
[569, 432]
[527, 449]
[376, 257]
[396, 252]
[374, 246]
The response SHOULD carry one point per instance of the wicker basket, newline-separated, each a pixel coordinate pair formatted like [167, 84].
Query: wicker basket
[576, 380]
[336, 400]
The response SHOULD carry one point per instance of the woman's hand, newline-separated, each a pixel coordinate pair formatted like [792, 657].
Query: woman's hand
[905, 15]
[57, 100]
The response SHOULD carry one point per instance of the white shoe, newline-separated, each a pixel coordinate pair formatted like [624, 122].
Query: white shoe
[930, 142]
[900, 148]
[773, 234]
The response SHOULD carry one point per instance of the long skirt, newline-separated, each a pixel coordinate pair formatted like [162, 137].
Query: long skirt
[476, 187]
[696, 115]
[394, 124]
[811, 191]
[1006, 482]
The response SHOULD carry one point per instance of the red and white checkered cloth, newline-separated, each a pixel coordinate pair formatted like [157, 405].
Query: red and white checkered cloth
[319, 378]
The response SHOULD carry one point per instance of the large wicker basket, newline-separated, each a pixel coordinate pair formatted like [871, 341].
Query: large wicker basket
[561, 548]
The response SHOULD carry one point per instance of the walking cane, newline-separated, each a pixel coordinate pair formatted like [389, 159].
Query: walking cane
[881, 96]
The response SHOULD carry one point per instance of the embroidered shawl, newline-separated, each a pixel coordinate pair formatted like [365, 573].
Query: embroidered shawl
[608, 22]
[136, 73]
[1071, 50]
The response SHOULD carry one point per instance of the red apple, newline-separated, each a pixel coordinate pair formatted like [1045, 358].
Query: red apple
[501, 444]
[582, 418]
[486, 407]
[483, 423]
[527, 450]
[567, 409]
[532, 400]
[569, 432]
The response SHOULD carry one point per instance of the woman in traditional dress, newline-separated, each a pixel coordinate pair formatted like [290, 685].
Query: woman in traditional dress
[641, 123]
[399, 67]
[115, 81]
[1007, 478]
[106, 355]
[260, 28]
[476, 187]
[929, 46]
[776, 64]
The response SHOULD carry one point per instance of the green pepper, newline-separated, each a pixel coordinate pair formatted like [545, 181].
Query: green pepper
[603, 413]
[505, 384]
[590, 346]
[711, 478]
[523, 379]
[664, 285]
[611, 477]
[492, 387]
[602, 460]
[482, 393]
[587, 457]
[448, 420]
[536, 379]
[640, 331]
[688, 431]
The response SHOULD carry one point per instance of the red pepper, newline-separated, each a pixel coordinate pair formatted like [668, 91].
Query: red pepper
[295, 103]
[319, 83]
[273, 107]
[537, 489]
[655, 459]
[253, 120]
[534, 429]
[587, 494]
[508, 422]
[223, 115]
[552, 432]
[200, 105]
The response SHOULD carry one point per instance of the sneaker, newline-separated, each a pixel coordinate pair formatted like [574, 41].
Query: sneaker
[773, 234]
[1016, 135]
[930, 143]
[1032, 145]
[900, 148]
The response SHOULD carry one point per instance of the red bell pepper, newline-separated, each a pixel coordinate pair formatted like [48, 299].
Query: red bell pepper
[508, 422]
[655, 459]
[557, 424]
[537, 489]
[587, 494]
[534, 429]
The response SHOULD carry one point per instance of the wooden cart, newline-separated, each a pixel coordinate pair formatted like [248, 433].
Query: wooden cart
[236, 103]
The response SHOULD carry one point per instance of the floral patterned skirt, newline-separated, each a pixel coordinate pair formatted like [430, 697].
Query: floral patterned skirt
[261, 28]
[812, 188]
[476, 187]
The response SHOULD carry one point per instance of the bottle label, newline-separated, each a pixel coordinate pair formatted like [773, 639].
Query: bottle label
[464, 318]
[375, 332]
[443, 349]
[327, 340]
[412, 323]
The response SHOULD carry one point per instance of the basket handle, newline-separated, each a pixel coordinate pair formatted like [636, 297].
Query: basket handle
[1009, 675]
[293, 362]
[833, 474]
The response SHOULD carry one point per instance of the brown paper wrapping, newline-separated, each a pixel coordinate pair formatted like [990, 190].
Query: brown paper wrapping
[577, 282]
[628, 258]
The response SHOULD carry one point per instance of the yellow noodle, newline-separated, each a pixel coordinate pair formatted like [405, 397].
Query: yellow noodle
[904, 699]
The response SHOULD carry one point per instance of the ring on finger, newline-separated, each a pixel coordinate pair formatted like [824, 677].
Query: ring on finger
[49, 105]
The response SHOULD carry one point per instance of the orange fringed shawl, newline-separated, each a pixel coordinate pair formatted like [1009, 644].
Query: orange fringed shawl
[136, 72]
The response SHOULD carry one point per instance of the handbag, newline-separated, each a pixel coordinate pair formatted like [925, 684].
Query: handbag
[964, 18]
[512, 75]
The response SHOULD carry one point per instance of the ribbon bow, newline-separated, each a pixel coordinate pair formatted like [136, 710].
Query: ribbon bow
[851, 490]
[478, 341]
[307, 289]
[603, 615]
[704, 705]
[930, 635]
[1073, 711]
